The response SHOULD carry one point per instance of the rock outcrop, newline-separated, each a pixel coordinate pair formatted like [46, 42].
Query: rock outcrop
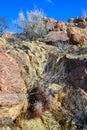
[75, 30]
[43, 83]
[12, 89]
[77, 35]
[77, 70]
[56, 36]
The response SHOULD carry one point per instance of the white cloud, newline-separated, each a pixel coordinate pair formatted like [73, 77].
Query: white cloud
[50, 1]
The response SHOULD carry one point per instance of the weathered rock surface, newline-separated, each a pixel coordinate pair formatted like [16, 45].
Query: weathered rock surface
[53, 67]
[53, 36]
[79, 22]
[8, 35]
[73, 30]
[31, 58]
[32, 124]
[12, 89]
[50, 23]
[2, 42]
[9, 128]
[77, 70]
[60, 69]
[77, 35]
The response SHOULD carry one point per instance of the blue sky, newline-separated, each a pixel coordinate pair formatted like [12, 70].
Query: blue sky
[57, 9]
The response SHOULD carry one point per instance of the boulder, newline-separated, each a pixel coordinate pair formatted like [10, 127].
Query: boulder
[55, 36]
[50, 23]
[12, 89]
[75, 103]
[61, 26]
[9, 35]
[49, 20]
[79, 22]
[49, 26]
[77, 35]
[77, 71]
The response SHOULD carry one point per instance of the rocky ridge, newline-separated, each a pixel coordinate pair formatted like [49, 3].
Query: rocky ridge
[51, 71]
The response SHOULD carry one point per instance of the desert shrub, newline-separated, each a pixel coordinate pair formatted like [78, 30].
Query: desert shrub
[36, 27]
[84, 12]
[32, 25]
[3, 24]
[20, 23]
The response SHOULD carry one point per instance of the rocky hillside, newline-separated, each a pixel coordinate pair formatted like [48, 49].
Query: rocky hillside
[43, 83]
